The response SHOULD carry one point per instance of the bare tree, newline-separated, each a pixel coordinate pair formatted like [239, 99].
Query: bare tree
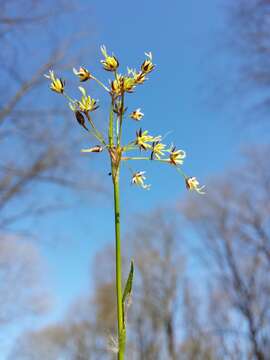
[236, 326]
[22, 292]
[233, 223]
[35, 149]
[37, 165]
[153, 313]
[159, 267]
[249, 34]
[50, 343]
[198, 343]
[83, 334]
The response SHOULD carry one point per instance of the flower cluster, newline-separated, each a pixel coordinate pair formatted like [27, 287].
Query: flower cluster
[120, 85]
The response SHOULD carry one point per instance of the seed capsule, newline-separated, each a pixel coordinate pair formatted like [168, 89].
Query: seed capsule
[80, 118]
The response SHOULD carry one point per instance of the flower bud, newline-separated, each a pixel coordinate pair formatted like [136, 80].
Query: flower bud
[80, 118]
[95, 149]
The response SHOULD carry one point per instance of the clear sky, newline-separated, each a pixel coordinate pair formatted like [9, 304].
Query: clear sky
[187, 41]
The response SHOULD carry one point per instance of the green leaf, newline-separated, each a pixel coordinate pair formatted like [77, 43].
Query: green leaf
[128, 287]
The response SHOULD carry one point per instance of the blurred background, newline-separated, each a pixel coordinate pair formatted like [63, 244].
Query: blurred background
[202, 281]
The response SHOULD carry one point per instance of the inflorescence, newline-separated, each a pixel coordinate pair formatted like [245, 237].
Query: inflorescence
[152, 146]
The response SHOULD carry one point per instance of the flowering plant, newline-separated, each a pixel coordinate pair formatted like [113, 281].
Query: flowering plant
[152, 147]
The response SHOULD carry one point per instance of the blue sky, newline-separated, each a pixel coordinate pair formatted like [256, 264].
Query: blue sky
[187, 41]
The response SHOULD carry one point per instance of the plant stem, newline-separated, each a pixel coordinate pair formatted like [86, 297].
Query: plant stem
[121, 119]
[120, 319]
[110, 134]
[95, 132]
[100, 83]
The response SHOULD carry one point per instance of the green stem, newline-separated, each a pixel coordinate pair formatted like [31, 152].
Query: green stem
[96, 133]
[110, 134]
[69, 98]
[126, 158]
[120, 317]
[121, 119]
[100, 83]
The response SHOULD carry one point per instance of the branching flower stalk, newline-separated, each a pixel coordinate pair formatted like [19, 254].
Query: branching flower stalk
[152, 147]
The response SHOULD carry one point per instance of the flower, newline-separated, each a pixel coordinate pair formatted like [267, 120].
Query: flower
[83, 73]
[87, 103]
[95, 149]
[57, 84]
[147, 66]
[121, 84]
[143, 139]
[110, 63]
[138, 179]
[176, 156]
[117, 85]
[136, 115]
[139, 78]
[193, 184]
[128, 84]
[157, 150]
